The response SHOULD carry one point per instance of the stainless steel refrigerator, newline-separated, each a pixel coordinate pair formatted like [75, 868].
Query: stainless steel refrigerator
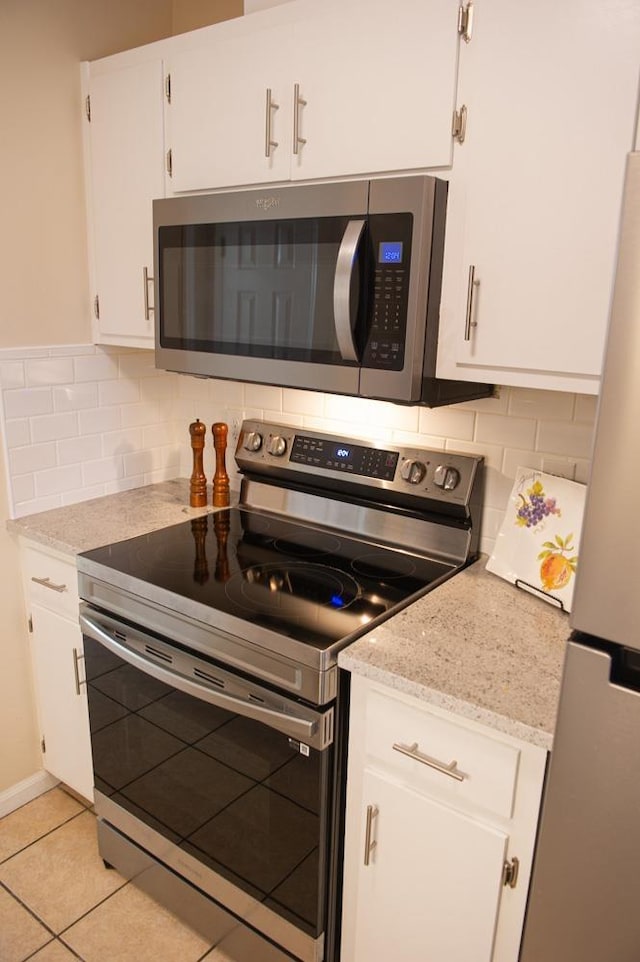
[584, 903]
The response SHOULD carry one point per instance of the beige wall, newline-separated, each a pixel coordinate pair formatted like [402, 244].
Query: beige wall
[43, 262]
[191, 14]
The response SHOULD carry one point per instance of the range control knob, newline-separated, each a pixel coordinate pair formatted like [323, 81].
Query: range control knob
[253, 441]
[412, 471]
[446, 477]
[277, 446]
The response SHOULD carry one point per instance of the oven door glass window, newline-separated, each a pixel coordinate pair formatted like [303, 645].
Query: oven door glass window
[246, 801]
[258, 288]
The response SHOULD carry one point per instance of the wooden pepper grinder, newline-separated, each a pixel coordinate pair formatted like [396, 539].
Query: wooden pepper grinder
[220, 478]
[198, 484]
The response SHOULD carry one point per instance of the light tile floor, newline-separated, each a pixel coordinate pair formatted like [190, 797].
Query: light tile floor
[58, 903]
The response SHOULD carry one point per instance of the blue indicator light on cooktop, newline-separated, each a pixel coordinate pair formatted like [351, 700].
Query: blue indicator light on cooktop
[337, 601]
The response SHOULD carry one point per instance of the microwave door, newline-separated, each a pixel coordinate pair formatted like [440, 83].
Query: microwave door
[346, 290]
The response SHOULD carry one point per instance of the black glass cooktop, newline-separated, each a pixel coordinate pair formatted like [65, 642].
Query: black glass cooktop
[314, 585]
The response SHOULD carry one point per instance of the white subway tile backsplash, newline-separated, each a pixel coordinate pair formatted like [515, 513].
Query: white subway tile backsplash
[17, 432]
[75, 397]
[263, 396]
[95, 367]
[506, 430]
[140, 364]
[586, 406]
[115, 443]
[527, 403]
[118, 392]
[124, 484]
[23, 487]
[58, 480]
[83, 494]
[38, 504]
[161, 433]
[572, 439]
[47, 371]
[302, 402]
[99, 420]
[32, 459]
[91, 420]
[53, 427]
[146, 413]
[104, 469]
[27, 402]
[448, 422]
[12, 374]
[515, 458]
[79, 450]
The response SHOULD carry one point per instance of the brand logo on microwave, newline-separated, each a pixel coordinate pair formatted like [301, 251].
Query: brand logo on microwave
[266, 203]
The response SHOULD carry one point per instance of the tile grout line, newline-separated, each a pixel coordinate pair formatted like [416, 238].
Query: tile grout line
[40, 837]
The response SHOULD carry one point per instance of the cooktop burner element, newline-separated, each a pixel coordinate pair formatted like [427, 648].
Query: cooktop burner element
[330, 537]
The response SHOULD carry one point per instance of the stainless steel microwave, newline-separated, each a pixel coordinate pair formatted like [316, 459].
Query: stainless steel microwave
[331, 287]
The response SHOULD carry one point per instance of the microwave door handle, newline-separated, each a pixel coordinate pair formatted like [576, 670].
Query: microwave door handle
[342, 287]
[303, 729]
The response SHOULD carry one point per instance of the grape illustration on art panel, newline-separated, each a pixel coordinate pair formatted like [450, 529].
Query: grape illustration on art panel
[534, 506]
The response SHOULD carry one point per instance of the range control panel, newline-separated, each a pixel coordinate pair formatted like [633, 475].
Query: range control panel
[445, 478]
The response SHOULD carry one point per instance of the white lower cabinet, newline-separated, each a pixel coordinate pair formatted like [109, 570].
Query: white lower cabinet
[441, 823]
[58, 667]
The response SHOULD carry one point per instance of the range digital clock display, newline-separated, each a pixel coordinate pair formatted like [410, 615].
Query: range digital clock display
[344, 458]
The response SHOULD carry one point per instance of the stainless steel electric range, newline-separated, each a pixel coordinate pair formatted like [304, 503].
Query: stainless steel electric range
[218, 714]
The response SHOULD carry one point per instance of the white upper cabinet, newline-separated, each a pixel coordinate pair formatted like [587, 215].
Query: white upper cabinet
[377, 84]
[312, 90]
[125, 171]
[223, 131]
[535, 190]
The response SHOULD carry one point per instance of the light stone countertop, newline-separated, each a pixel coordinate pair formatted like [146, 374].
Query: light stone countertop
[114, 517]
[476, 646]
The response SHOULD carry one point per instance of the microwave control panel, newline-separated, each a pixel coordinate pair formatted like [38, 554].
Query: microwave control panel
[391, 243]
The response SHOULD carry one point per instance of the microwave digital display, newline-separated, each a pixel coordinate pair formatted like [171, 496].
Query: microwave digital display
[390, 252]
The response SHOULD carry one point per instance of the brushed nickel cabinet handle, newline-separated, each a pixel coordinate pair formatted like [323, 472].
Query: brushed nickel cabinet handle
[268, 142]
[146, 278]
[298, 102]
[450, 769]
[471, 287]
[76, 671]
[369, 843]
[48, 583]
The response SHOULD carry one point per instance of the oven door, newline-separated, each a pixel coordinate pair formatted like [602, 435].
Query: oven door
[225, 782]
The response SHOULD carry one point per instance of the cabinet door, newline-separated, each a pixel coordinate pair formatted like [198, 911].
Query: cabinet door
[379, 84]
[220, 120]
[535, 190]
[432, 887]
[126, 150]
[62, 701]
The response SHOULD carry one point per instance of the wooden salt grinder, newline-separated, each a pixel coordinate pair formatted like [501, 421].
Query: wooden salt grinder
[198, 484]
[220, 478]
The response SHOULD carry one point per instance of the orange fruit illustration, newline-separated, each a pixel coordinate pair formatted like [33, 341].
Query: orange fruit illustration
[556, 569]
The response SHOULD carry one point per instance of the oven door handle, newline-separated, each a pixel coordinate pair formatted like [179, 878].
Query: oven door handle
[303, 729]
[342, 286]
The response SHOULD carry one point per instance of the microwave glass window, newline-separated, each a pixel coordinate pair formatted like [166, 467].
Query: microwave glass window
[258, 288]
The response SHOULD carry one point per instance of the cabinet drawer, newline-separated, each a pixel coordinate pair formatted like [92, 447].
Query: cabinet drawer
[438, 757]
[51, 581]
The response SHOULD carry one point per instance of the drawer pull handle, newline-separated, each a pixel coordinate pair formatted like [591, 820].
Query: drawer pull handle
[48, 583]
[76, 670]
[412, 751]
[369, 843]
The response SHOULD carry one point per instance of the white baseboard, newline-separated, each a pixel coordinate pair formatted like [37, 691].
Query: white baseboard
[25, 791]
